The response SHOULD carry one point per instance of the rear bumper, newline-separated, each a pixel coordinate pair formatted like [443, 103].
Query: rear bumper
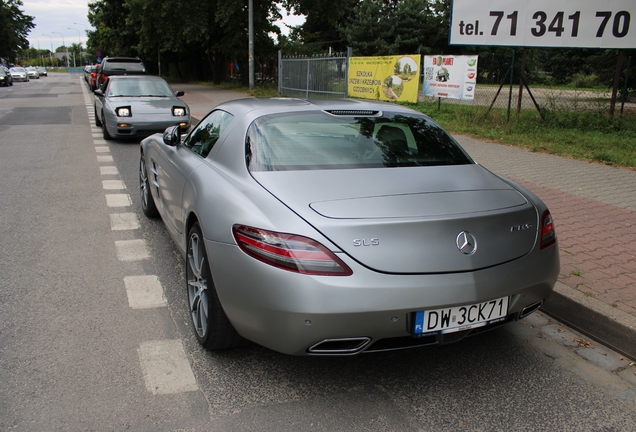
[291, 313]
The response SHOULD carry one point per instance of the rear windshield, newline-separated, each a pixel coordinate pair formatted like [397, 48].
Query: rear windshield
[318, 140]
[129, 67]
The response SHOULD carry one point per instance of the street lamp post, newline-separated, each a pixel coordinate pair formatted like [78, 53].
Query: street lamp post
[79, 35]
[50, 52]
[38, 44]
[86, 27]
[64, 44]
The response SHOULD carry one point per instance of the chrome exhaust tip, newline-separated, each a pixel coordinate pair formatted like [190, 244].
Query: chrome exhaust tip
[341, 346]
[529, 309]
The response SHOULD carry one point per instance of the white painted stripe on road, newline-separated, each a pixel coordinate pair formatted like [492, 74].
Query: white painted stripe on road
[104, 159]
[166, 367]
[123, 221]
[131, 250]
[113, 184]
[102, 149]
[96, 135]
[144, 292]
[118, 200]
[99, 141]
[108, 170]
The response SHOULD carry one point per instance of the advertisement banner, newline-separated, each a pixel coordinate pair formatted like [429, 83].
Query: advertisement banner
[450, 76]
[544, 23]
[388, 78]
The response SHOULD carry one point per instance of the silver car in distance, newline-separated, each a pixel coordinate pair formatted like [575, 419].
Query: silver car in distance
[335, 227]
[136, 106]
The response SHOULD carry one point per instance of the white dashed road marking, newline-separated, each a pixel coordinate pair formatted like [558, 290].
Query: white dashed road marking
[108, 170]
[113, 184]
[118, 200]
[166, 368]
[104, 159]
[132, 250]
[144, 292]
[123, 221]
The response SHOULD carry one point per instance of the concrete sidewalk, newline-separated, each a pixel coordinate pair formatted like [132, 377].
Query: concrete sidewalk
[594, 209]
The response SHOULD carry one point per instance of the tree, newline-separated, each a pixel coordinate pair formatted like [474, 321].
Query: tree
[324, 23]
[388, 27]
[200, 35]
[14, 28]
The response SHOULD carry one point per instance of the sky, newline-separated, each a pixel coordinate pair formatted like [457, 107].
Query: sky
[65, 21]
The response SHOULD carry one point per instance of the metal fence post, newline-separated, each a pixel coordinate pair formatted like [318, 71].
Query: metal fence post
[346, 87]
[629, 62]
[280, 71]
[512, 73]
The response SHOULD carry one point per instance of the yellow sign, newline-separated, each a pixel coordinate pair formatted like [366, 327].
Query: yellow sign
[389, 78]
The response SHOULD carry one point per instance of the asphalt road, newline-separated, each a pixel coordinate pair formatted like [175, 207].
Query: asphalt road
[78, 352]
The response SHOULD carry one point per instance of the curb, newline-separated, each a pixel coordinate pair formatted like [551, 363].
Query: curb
[595, 319]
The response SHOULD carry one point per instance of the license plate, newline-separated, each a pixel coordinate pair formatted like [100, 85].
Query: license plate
[454, 319]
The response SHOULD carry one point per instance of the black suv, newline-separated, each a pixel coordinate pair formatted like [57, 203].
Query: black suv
[119, 66]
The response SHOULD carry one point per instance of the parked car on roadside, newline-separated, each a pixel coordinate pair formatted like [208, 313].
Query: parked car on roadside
[19, 74]
[138, 106]
[33, 72]
[335, 227]
[90, 76]
[119, 66]
[5, 77]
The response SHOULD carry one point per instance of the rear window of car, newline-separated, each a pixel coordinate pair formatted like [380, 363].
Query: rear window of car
[127, 67]
[320, 140]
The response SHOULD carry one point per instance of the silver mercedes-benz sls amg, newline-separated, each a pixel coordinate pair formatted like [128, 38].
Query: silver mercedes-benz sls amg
[335, 227]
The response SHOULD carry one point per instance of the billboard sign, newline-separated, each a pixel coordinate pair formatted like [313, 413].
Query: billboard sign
[544, 23]
[388, 78]
[450, 76]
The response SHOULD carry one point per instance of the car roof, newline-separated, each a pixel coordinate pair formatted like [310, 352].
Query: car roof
[135, 77]
[257, 107]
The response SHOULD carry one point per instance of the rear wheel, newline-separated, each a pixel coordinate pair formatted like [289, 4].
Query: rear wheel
[211, 327]
[147, 201]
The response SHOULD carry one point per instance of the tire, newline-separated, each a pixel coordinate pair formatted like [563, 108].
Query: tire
[105, 133]
[147, 201]
[211, 327]
[97, 122]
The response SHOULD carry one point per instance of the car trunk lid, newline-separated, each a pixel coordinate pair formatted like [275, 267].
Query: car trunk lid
[412, 220]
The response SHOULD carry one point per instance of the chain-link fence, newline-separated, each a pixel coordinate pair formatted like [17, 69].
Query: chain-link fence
[313, 77]
[551, 82]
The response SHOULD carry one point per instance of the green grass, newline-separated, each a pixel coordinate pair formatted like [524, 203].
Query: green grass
[592, 136]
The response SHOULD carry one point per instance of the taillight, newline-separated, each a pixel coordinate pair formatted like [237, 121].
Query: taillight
[93, 75]
[289, 252]
[548, 235]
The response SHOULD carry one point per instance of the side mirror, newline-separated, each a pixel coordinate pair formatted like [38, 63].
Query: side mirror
[98, 92]
[179, 93]
[172, 136]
